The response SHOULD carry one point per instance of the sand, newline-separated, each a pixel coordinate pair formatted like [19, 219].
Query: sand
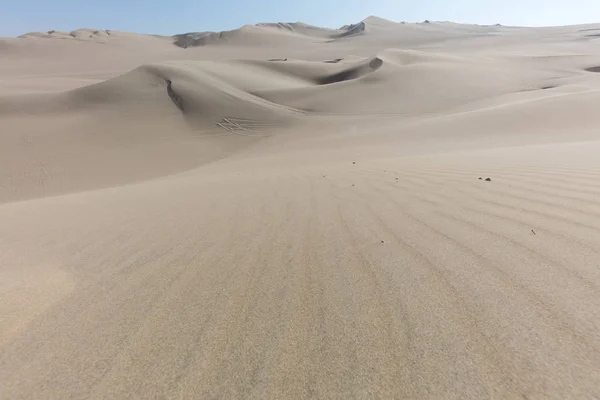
[284, 211]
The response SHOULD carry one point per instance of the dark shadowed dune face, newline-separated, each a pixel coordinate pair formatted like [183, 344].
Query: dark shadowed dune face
[352, 73]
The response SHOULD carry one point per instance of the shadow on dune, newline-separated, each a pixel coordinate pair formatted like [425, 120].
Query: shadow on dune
[352, 73]
[177, 100]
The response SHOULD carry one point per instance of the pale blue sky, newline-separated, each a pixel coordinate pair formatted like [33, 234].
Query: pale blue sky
[178, 16]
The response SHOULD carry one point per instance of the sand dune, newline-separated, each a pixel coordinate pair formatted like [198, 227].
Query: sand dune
[288, 211]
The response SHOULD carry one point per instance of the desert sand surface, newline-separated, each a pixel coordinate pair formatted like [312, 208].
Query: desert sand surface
[289, 212]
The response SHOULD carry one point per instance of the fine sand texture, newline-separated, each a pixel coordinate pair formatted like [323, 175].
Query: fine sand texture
[383, 211]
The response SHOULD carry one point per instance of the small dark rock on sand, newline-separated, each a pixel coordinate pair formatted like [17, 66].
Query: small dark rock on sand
[488, 179]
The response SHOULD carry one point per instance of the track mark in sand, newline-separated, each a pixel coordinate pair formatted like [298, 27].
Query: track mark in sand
[559, 319]
[480, 206]
[247, 127]
[488, 276]
[299, 348]
[527, 252]
[196, 323]
[519, 191]
[456, 299]
[214, 262]
[476, 199]
[369, 311]
[250, 310]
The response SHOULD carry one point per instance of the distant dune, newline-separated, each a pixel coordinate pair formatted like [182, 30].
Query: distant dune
[268, 33]
[384, 210]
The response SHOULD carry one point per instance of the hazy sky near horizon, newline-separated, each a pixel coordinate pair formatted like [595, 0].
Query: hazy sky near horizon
[179, 16]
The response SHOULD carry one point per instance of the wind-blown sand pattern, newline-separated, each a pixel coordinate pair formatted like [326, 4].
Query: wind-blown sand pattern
[285, 211]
